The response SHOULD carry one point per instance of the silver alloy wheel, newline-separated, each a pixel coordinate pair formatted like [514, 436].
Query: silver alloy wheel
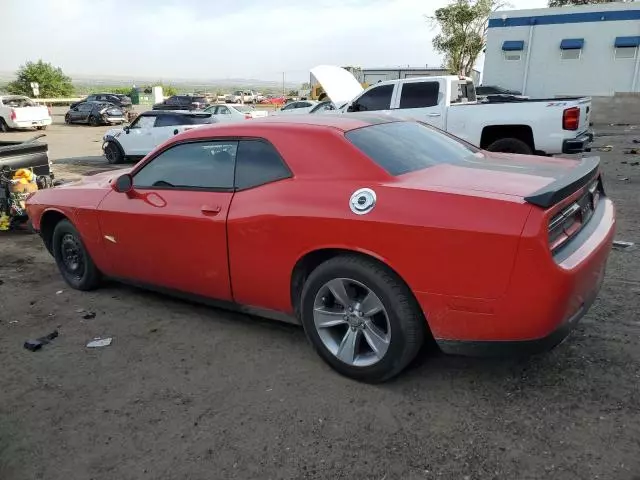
[352, 322]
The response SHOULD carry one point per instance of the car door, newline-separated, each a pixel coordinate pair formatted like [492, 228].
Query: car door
[375, 99]
[137, 139]
[170, 230]
[421, 100]
[223, 114]
[84, 110]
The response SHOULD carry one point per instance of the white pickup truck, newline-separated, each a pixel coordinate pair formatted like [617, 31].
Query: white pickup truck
[542, 126]
[18, 111]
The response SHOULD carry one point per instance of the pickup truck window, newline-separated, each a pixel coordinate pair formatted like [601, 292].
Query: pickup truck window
[419, 94]
[198, 165]
[378, 98]
[403, 147]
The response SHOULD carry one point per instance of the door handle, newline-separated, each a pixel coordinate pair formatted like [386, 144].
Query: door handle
[211, 209]
[433, 114]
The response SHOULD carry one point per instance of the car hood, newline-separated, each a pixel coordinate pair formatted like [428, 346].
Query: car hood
[496, 173]
[113, 132]
[339, 84]
[99, 180]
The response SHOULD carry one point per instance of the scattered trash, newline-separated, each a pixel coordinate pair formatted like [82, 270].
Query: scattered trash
[99, 342]
[13, 321]
[1, 282]
[622, 245]
[623, 179]
[634, 164]
[635, 140]
[624, 161]
[35, 345]
[59, 292]
[631, 151]
[606, 148]
[89, 315]
[80, 310]
[153, 330]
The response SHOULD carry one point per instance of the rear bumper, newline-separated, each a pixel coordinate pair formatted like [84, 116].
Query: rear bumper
[113, 120]
[30, 123]
[582, 143]
[545, 299]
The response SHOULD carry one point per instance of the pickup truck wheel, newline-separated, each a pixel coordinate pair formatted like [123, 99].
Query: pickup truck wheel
[4, 128]
[73, 259]
[510, 145]
[361, 318]
[43, 127]
[113, 153]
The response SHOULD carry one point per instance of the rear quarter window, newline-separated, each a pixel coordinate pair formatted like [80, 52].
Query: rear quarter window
[258, 163]
[403, 147]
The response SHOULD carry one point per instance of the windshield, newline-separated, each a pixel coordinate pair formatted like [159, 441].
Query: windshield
[243, 108]
[18, 102]
[403, 147]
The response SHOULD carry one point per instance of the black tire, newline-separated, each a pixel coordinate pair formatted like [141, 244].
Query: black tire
[510, 145]
[67, 246]
[43, 127]
[94, 121]
[4, 128]
[67, 119]
[113, 154]
[408, 327]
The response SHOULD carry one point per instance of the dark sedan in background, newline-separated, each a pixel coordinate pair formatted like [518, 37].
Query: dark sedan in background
[183, 102]
[95, 113]
[121, 101]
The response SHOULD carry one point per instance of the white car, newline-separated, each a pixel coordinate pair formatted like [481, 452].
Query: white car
[148, 131]
[545, 126]
[18, 111]
[296, 108]
[234, 113]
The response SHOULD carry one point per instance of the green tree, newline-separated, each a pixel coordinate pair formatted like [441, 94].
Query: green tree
[562, 3]
[463, 32]
[169, 90]
[52, 81]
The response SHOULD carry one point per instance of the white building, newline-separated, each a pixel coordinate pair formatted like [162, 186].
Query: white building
[587, 50]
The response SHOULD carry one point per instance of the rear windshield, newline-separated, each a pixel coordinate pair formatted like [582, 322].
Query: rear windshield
[403, 147]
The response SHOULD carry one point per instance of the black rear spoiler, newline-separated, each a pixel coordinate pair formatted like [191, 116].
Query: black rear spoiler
[566, 185]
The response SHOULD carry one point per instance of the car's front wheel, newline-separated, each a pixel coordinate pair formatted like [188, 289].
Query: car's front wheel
[113, 153]
[73, 259]
[361, 318]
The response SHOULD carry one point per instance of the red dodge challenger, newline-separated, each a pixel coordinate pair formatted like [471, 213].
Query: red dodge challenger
[374, 233]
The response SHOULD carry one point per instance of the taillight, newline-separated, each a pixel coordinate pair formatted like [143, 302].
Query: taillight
[571, 118]
[13, 114]
[247, 116]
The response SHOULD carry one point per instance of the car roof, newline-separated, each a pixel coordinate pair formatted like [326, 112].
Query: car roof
[184, 113]
[340, 121]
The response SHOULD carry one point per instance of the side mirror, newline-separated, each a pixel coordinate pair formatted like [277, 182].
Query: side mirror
[353, 107]
[126, 129]
[123, 184]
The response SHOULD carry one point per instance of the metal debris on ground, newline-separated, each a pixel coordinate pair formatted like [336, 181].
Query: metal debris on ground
[37, 344]
[622, 245]
[634, 164]
[89, 315]
[631, 151]
[623, 179]
[99, 342]
[635, 140]
[59, 292]
[606, 148]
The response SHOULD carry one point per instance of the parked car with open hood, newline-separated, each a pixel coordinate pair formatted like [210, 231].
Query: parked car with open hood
[375, 233]
[149, 130]
[95, 113]
[18, 111]
[544, 126]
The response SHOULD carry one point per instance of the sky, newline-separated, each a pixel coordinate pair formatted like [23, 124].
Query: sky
[217, 39]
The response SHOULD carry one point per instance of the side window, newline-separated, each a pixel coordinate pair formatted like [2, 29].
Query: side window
[86, 107]
[169, 120]
[90, 98]
[144, 122]
[258, 163]
[291, 106]
[191, 165]
[223, 111]
[419, 94]
[378, 98]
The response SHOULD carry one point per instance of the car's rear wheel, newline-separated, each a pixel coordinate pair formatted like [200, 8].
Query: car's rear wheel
[361, 318]
[73, 259]
[510, 145]
[113, 153]
[94, 121]
[67, 119]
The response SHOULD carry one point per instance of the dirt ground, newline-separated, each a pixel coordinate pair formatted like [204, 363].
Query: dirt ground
[191, 392]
